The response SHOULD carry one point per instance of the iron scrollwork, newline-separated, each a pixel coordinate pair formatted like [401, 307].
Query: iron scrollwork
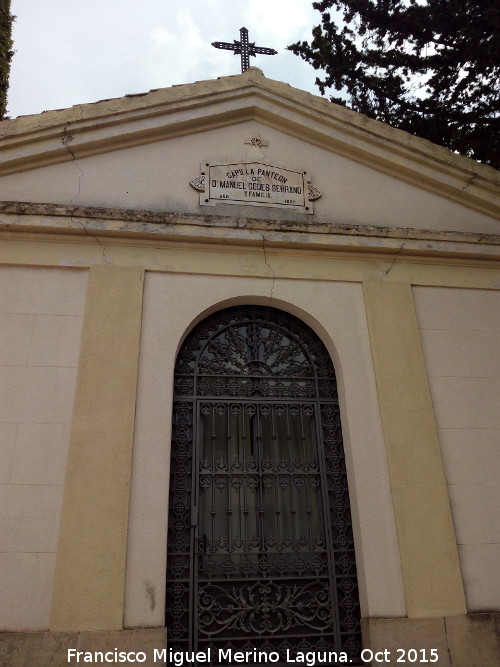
[265, 607]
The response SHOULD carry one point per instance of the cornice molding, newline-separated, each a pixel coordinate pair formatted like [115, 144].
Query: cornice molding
[81, 223]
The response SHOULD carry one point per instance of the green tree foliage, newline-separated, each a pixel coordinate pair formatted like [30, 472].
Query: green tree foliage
[6, 53]
[430, 67]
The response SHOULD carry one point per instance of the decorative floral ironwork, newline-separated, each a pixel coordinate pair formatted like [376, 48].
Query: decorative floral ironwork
[264, 607]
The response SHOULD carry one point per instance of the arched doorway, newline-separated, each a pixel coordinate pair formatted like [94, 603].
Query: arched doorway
[260, 545]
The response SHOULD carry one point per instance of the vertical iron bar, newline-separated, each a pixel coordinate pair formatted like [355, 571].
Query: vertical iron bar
[277, 510]
[193, 557]
[292, 479]
[258, 438]
[245, 505]
[214, 479]
[306, 476]
[327, 519]
[229, 486]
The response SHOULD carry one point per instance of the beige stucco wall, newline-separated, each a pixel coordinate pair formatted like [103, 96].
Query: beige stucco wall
[40, 324]
[459, 331]
[146, 177]
[172, 303]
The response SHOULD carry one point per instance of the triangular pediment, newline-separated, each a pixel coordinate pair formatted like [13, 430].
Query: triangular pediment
[180, 118]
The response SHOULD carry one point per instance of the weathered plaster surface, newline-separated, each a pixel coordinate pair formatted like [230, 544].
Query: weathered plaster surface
[459, 330]
[41, 313]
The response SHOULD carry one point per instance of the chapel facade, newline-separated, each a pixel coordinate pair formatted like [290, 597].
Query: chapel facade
[249, 355]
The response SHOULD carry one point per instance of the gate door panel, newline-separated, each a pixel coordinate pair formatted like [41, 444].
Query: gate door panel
[260, 552]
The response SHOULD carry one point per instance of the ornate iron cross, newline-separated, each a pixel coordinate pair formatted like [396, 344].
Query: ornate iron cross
[244, 47]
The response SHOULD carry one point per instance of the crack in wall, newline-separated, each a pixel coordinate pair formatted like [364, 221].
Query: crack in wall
[66, 139]
[468, 183]
[268, 266]
[447, 214]
[79, 222]
[396, 255]
[448, 649]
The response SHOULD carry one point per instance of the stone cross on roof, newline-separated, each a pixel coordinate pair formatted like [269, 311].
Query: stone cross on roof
[244, 47]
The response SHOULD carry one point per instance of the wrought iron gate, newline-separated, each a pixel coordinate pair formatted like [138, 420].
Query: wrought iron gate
[260, 551]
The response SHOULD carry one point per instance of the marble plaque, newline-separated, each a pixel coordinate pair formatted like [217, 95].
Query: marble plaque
[255, 184]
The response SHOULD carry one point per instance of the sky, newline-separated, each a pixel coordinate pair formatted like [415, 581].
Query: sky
[76, 51]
